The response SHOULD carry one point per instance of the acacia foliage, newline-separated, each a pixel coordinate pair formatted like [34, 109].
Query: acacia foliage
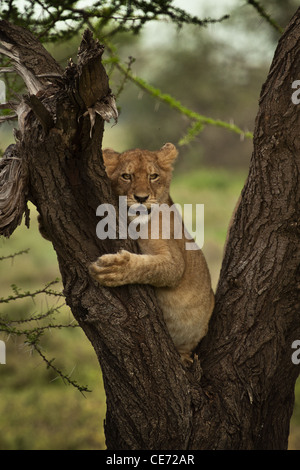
[51, 19]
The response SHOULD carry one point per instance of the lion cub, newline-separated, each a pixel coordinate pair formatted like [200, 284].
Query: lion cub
[180, 276]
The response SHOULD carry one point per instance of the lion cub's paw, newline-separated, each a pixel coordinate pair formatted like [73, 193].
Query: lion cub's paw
[111, 270]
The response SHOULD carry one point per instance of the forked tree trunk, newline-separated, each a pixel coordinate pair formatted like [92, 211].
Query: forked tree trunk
[241, 393]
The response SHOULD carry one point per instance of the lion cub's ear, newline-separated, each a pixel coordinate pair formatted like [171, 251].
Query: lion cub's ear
[111, 160]
[167, 155]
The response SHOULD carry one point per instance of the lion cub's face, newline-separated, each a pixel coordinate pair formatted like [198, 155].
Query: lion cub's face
[143, 176]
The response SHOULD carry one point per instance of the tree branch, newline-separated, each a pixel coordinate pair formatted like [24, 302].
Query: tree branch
[40, 111]
[7, 70]
[262, 12]
[199, 121]
[8, 117]
[246, 356]
[9, 105]
[29, 58]
[13, 191]
[67, 183]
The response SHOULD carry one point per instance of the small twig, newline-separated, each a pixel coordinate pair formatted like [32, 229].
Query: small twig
[199, 121]
[14, 255]
[20, 295]
[58, 372]
[51, 311]
[50, 74]
[9, 105]
[262, 12]
[7, 70]
[9, 117]
[126, 76]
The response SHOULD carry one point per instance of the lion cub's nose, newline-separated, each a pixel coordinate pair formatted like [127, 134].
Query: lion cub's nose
[140, 199]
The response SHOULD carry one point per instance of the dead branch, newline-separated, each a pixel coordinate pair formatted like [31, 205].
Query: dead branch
[13, 191]
[7, 70]
[40, 111]
[9, 105]
[28, 57]
[9, 117]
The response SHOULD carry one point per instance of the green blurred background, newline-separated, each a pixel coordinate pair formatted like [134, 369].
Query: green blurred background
[217, 71]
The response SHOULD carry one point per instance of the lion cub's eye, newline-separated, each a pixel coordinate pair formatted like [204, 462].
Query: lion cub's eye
[153, 176]
[126, 176]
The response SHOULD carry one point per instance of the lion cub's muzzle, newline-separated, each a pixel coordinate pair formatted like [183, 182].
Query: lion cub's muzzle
[135, 210]
[141, 199]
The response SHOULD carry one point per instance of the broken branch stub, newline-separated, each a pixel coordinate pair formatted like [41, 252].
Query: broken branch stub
[55, 101]
[40, 111]
[92, 78]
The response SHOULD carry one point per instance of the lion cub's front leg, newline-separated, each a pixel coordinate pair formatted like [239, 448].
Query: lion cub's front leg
[128, 268]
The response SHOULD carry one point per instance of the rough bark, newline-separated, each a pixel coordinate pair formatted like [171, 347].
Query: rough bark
[249, 369]
[66, 181]
[241, 397]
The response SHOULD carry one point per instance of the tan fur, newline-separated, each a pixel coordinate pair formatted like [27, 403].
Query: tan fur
[180, 276]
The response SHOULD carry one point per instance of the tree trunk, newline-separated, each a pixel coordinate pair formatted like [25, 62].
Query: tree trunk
[240, 394]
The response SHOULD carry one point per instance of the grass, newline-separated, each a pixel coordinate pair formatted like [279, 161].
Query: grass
[38, 410]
